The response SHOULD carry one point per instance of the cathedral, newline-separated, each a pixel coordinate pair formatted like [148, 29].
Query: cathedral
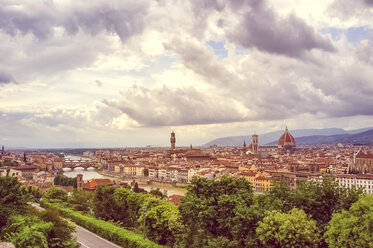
[285, 145]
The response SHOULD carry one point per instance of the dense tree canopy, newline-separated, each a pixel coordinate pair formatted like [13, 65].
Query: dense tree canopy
[287, 230]
[65, 181]
[55, 193]
[13, 198]
[352, 228]
[219, 209]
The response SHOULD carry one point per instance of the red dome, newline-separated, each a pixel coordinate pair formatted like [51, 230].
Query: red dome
[286, 139]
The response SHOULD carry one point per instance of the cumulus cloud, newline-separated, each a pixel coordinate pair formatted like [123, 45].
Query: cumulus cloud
[365, 51]
[262, 28]
[176, 106]
[347, 9]
[275, 88]
[123, 18]
[278, 66]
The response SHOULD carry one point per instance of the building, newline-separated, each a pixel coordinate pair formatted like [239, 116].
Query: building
[79, 181]
[92, 185]
[356, 181]
[286, 143]
[362, 163]
[26, 172]
[173, 141]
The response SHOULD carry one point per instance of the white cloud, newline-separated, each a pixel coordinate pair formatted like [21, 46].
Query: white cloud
[68, 78]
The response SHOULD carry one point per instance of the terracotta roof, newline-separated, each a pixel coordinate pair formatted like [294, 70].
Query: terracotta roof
[175, 199]
[286, 138]
[363, 155]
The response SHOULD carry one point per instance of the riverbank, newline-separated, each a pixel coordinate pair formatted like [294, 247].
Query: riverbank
[167, 188]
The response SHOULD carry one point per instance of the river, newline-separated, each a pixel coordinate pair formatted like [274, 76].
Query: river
[92, 174]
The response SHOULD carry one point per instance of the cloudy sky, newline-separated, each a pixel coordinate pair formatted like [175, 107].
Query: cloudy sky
[126, 73]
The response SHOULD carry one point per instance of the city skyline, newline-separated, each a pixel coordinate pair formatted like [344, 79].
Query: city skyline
[127, 73]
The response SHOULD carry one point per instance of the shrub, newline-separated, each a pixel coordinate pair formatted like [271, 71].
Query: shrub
[107, 230]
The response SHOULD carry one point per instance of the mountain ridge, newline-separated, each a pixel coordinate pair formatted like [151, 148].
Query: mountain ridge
[271, 137]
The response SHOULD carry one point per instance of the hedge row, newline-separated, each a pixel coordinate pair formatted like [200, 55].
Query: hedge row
[107, 230]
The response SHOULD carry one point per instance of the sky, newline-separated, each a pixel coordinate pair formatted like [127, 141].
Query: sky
[124, 73]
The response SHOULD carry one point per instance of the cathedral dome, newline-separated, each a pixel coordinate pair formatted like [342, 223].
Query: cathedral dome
[286, 139]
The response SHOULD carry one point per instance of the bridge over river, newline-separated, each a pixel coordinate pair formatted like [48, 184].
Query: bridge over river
[73, 162]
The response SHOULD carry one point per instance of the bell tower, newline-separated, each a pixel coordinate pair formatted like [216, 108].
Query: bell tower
[255, 144]
[79, 181]
[173, 141]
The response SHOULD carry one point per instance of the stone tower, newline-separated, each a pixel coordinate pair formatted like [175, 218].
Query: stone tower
[173, 141]
[244, 147]
[255, 144]
[2, 150]
[79, 181]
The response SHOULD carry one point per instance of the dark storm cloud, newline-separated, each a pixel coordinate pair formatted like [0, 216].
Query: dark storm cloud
[260, 27]
[124, 18]
[5, 78]
[369, 2]
[263, 29]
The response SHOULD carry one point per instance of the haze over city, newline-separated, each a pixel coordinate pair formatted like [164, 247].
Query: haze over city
[127, 73]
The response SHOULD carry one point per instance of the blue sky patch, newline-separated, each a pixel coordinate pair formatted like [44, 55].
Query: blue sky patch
[219, 50]
[354, 34]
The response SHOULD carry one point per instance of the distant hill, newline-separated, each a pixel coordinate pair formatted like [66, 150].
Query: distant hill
[270, 138]
[358, 138]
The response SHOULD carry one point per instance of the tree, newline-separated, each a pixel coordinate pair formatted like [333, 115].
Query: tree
[81, 200]
[352, 228]
[62, 180]
[27, 231]
[13, 198]
[106, 207]
[293, 229]
[35, 192]
[55, 193]
[137, 189]
[162, 220]
[321, 200]
[218, 209]
[131, 203]
[157, 192]
[60, 235]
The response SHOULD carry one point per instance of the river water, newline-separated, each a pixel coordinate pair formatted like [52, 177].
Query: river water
[92, 174]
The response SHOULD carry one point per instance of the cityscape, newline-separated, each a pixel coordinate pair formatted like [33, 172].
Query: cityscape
[186, 124]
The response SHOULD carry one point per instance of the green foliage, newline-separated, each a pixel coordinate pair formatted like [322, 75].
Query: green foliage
[65, 181]
[293, 229]
[27, 231]
[107, 230]
[35, 192]
[13, 198]
[137, 189]
[162, 220]
[55, 193]
[352, 228]
[81, 200]
[8, 162]
[60, 235]
[105, 207]
[157, 192]
[321, 200]
[131, 203]
[218, 209]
